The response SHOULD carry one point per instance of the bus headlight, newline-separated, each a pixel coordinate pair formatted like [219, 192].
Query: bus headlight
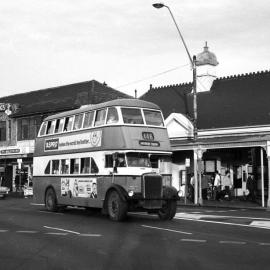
[130, 193]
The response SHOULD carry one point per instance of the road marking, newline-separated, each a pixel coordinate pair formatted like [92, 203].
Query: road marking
[193, 240]
[90, 235]
[26, 231]
[232, 242]
[164, 229]
[56, 233]
[47, 212]
[264, 244]
[219, 222]
[261, 224]
[42, 204]
[59, 229]
[3, 231]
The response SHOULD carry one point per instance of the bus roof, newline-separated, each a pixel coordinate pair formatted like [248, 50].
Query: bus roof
[116, 102]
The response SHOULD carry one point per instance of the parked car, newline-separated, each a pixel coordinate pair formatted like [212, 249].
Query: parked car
[3, 191]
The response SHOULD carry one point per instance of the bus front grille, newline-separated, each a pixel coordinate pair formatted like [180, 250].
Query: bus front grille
[152, 186]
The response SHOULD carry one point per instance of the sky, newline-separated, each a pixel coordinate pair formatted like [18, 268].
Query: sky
[126, 43]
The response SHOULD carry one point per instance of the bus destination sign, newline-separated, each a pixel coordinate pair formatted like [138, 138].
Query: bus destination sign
[148, 140]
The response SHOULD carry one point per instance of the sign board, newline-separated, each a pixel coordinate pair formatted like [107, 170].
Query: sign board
[187, 162]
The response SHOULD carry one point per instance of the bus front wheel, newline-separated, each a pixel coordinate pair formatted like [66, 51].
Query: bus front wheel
[117, 208]
[168, 210]
[50, 200]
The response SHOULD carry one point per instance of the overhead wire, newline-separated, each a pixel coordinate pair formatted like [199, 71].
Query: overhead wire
[152, 76]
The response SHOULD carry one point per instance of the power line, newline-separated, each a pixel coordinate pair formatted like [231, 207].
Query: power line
[152, 76]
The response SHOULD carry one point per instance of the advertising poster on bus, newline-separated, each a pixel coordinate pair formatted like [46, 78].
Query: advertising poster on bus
[79, 187]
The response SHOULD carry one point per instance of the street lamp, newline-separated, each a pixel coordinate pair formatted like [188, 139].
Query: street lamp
[195, 115]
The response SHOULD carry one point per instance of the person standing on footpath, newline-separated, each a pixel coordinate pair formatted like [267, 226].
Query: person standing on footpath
[227, 183]
[217, 186]
[251, 186]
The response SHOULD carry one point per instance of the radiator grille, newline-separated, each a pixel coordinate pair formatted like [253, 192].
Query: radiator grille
[152, 186]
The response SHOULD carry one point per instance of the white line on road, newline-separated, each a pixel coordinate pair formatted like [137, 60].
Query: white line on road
[3, 231]
[264, 244]
[42, 204]
[59, 229]
[89, 234]
[193, 240]
[47, 212]
[26, 232]
[232, 242]
[164, 229]
[56, 233]
[219, 222]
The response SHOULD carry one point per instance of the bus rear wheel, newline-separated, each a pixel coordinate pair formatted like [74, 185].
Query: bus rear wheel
[50, 200]
[168, 210]
[117, 208]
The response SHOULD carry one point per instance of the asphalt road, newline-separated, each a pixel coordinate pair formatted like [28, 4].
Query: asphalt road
[198, 238]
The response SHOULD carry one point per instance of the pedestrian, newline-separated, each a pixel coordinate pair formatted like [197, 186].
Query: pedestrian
[17, 182]
[217, 186]
[204, 186]
[227, 183]
[251, 186]
[191, 187]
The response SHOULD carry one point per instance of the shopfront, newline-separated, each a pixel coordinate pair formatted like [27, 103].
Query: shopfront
[240, 156]
[16, 167]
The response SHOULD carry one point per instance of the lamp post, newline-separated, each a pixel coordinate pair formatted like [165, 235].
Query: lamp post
[195, 115]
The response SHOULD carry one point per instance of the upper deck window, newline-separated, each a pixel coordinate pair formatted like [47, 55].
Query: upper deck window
[78, 121]
[100, 117]
[132, 116]
[68, 123]
[153, 118]
[88, 119]
[59, 125]
[43, 129]
[112, 117]
[50, 127]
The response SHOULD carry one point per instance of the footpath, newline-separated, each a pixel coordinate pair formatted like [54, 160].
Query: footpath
[234, 203]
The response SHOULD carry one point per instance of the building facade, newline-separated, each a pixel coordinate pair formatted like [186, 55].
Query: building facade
[21, 116]
[233, 128]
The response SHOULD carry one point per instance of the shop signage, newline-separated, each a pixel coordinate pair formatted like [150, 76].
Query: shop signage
[10, 151]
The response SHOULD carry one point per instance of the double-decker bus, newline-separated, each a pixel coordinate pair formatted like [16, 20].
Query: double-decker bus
[107, 156]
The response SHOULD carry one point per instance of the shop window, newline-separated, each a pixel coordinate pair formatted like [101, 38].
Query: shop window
[59, 125]
[48, 168]
[88, 119]
[55, 166]
[94, 167]
[74, 165]
[85, 165]
[100, 117]
[78, 121]
[3, 131]
[27, 128]
[64, 166]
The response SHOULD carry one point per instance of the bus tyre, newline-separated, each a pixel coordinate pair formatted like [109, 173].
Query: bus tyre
[117, 208]
[50, 200]
[167, 212]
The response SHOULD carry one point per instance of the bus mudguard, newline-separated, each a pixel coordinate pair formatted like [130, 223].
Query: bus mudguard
[121, 191]
[170, 193]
